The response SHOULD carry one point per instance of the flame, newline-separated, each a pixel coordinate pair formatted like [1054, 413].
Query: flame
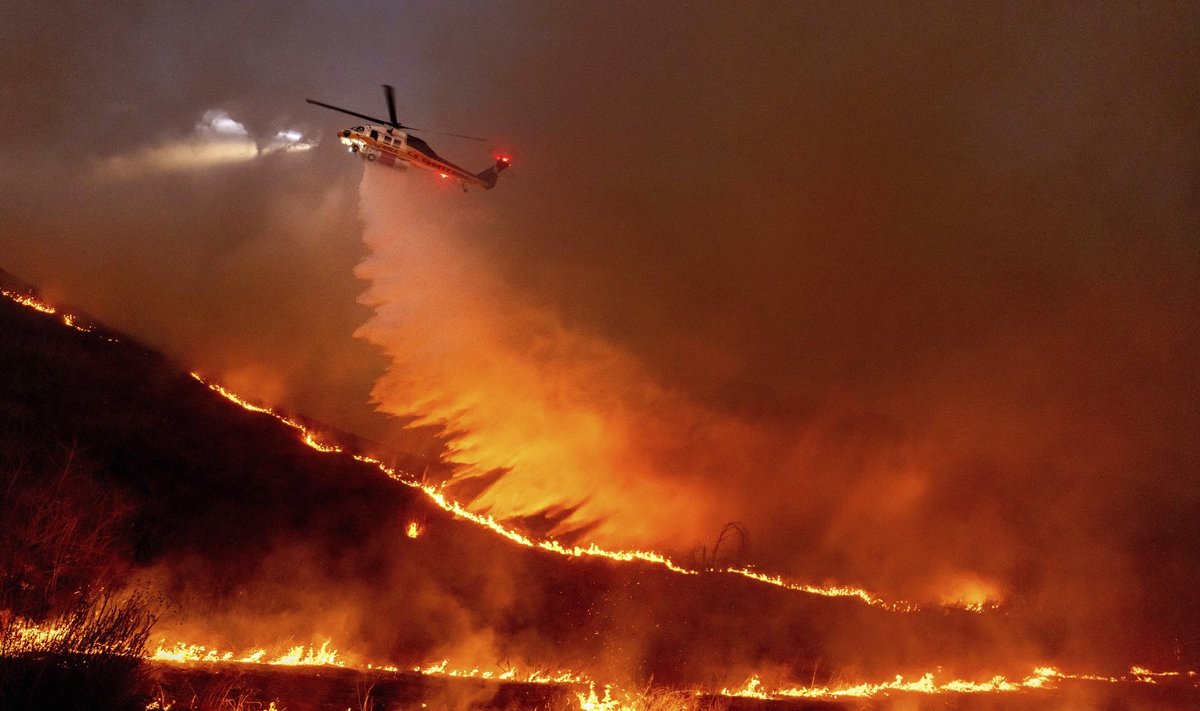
[298, 655]
[302, 656]
[326, 655]
[830, 591]
[968, 591]
[29, 635]
[1146, 676]
[413, 530]
[29, 301]
[511, 673]
[32, 636]
[591, 702]
[1041, 678]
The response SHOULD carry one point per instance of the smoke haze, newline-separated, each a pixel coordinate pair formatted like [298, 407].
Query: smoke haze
[910, 292]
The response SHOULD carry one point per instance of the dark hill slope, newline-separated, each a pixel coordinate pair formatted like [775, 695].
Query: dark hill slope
[254, 538]
[204, 476]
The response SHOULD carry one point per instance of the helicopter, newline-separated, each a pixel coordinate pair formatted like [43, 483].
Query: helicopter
[390, 143]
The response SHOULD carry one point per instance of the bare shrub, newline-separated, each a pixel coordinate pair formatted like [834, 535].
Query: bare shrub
[60, 534]
[729, 549]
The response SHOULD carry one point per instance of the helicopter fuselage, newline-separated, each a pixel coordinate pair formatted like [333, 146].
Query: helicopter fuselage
[389, 143]
[395, 148]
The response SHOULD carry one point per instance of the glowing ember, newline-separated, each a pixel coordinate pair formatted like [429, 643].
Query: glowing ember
[413, 530]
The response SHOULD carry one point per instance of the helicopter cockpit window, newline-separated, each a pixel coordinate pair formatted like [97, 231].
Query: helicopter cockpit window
[358, 128]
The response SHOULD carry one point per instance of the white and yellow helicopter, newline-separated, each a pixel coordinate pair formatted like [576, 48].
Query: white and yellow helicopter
[390, 144]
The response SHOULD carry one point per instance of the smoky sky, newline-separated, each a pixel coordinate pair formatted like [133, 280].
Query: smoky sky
[925, 277]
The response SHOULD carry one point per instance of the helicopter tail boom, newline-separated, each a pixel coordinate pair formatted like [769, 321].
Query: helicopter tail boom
[489, 176]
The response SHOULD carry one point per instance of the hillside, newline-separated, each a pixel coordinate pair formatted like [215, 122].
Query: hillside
[252, 539]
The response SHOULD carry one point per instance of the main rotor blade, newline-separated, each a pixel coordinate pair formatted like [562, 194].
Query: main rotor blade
[353, 113]
[444, 133]
[391, 101]
[393, 122]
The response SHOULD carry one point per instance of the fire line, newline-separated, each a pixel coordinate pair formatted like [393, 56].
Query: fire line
[1042, 678]
[438, 497]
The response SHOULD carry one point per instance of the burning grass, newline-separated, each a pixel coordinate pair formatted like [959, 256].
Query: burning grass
[652, 698]
[90, 657]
